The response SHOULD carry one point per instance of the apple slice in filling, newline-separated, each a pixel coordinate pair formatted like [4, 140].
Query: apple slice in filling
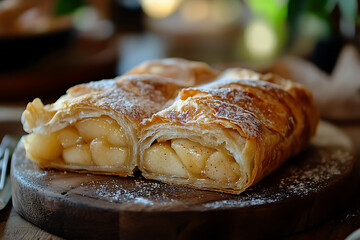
[184, 158]
[97, 141]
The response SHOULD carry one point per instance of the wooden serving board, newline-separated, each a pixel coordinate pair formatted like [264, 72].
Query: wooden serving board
[305, 191]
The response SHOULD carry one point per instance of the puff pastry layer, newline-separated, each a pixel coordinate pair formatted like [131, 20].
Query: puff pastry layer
[229, 134]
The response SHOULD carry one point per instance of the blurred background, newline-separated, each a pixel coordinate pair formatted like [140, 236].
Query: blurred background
[46, 46]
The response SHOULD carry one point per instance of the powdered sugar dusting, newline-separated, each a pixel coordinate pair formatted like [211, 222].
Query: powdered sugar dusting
[102, 84]
[266, 103]
[297, 179]
[94, 86]
[135, 98]
[129, 104]
[139, 192]
[250, 125]
[307, 179]
[276, 90]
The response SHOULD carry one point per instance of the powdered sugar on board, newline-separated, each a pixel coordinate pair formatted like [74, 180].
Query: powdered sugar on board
[298, 178]
[310, 173]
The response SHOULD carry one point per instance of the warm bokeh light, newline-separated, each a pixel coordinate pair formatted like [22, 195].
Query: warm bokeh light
[218, 11]
[195, 10]
[225, 12]
[159, 8]
[260, 40]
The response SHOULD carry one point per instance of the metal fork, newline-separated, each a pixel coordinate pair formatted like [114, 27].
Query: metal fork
[7, 146]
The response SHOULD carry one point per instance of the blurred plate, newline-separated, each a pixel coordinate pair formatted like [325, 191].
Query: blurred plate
[22, 51]
[83, 61]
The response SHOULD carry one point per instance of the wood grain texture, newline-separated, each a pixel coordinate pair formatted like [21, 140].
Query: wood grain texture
[15, 227]
[307, 190]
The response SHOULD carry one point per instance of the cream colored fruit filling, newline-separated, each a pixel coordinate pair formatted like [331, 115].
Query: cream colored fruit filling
[184, 158]
[89, 142]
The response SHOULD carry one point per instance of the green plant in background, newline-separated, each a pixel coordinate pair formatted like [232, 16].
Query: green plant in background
[64, 7]
[295, 26]
[319, 29]
[323, 10]
[349, 9]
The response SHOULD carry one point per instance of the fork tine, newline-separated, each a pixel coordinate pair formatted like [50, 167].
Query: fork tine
[4, 167]
[8, 141]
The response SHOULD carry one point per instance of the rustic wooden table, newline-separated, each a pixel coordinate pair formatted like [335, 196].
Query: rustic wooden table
[13, 226]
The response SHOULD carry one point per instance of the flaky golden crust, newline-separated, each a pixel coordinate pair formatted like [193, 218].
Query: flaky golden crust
[261, 119]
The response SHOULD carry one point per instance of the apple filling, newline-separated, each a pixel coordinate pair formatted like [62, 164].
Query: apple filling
[184, 158]
[97, 141]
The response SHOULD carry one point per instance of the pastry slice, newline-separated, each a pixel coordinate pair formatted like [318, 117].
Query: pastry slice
[93, 128]
[229, 134]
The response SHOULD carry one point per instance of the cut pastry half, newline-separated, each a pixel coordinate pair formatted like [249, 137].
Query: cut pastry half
[229, 134]
[93, 128]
